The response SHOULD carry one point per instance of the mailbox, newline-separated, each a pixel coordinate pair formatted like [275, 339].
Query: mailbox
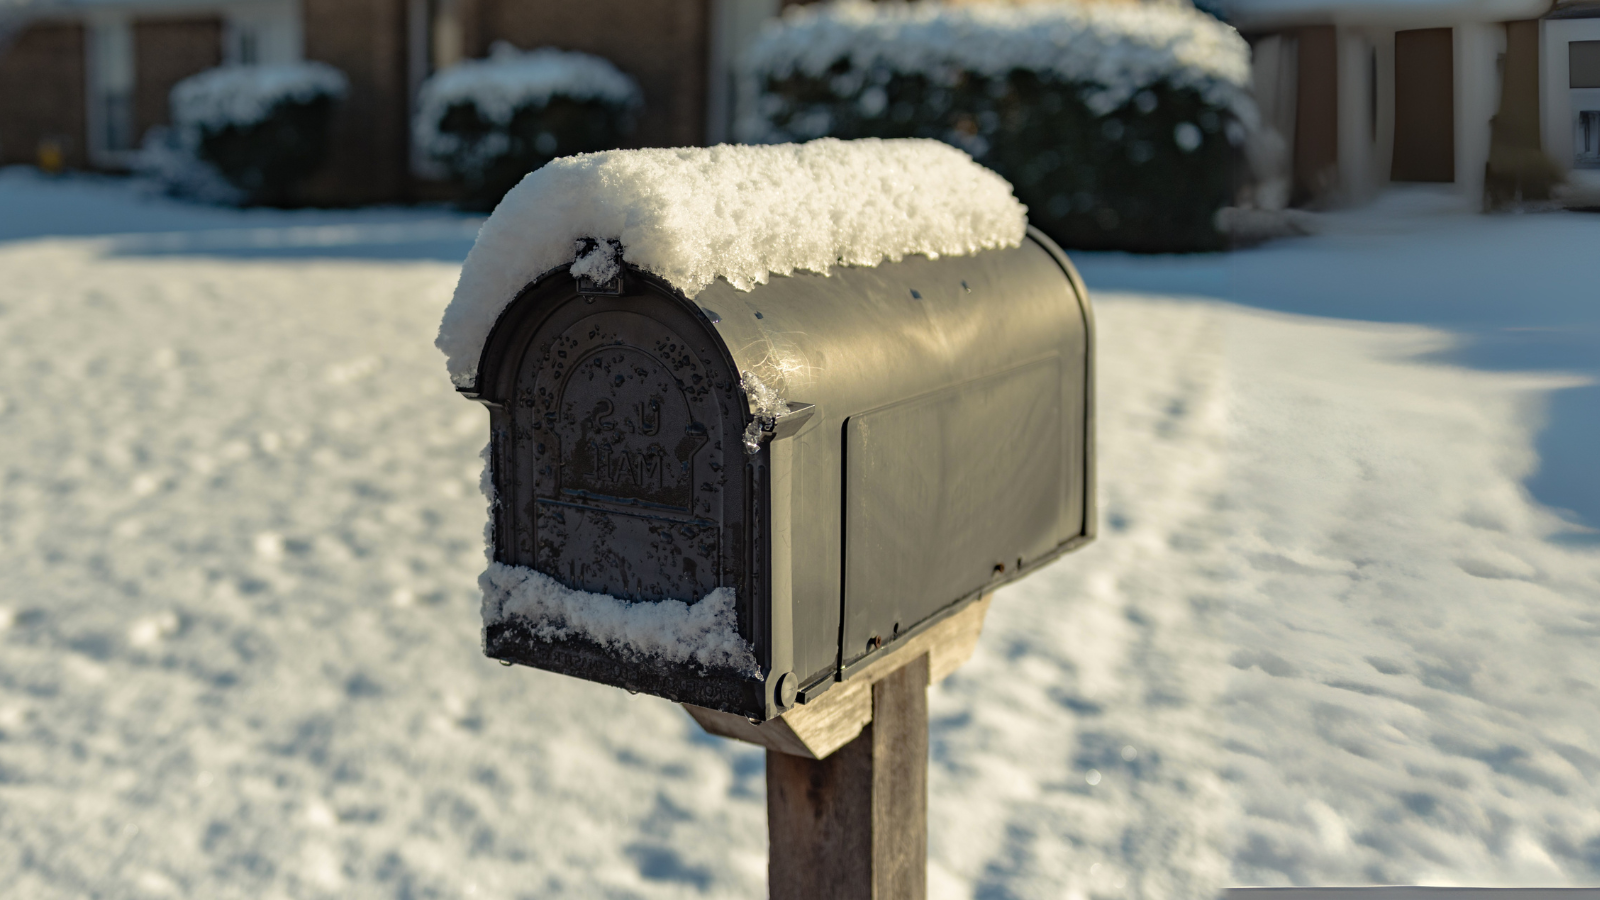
[856, 456]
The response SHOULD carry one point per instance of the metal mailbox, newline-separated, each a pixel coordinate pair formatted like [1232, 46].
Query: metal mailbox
[923, 432]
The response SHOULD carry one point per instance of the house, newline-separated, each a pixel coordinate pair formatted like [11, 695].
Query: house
[1570, 105]
[1362, 92]
[86, 79]
[1498, 97]
[81, 81]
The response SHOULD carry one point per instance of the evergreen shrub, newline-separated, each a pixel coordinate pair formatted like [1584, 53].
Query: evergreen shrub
[487, 123]
[262, 129]
[1120, 127]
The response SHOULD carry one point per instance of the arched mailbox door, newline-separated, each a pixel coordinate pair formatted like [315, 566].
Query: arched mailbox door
[937, 442]
[618, 467]
[621, 424]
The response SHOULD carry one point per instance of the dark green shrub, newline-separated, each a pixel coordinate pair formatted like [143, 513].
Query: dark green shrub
[487, 123]
[263, 129]
[490, 159]
[266, 160]
[1145, 172]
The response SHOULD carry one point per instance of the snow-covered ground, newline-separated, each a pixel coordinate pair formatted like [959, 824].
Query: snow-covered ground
[1518, 290]
[1327, 635]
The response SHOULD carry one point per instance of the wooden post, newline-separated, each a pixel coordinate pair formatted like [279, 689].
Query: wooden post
[855, 824]
[847, 773]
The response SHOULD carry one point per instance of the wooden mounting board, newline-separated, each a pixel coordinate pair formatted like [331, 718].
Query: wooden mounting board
[816, 729]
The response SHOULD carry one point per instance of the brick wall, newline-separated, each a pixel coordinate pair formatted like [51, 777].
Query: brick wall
[365, 39]
[42, 94]
[166, 51]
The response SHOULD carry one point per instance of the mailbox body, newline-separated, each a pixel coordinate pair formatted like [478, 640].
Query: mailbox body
[936, 441]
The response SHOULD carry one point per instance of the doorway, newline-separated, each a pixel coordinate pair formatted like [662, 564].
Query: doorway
[1424, 106]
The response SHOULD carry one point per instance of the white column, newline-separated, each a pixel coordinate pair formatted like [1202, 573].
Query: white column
[1383, 141]
[1478, 47]
[110, 95]
[734, 24]
[1356, 176]
[1553, 106]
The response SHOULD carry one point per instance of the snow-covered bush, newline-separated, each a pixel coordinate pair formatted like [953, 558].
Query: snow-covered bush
[170, 161]
[489, 122]
[261, 128]
[1120, 125]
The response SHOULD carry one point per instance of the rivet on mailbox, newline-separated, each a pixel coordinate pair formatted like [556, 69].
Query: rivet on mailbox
[739, 509]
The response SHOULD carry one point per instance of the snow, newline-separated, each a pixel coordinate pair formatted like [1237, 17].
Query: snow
[1512, 287]
[170, 158]
[508, 81]
[138, 219]
[1342, 653]
[216, 99]
[244, 95]
[704, 633]
[765, 408]
[598, 261]
[1114, 49]
[1326, 636]
[741, 213]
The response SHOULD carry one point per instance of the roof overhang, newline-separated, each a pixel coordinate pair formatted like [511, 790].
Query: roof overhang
[1579, 9]
[1267, 15]
[56, 8]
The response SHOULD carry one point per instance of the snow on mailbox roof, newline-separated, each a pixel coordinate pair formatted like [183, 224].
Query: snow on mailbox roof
[1121, 47]
[741, 213]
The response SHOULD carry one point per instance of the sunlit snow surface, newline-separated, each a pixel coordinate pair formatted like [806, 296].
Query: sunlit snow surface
[1323, 637]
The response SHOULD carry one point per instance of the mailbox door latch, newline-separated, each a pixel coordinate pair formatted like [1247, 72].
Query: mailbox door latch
[790, 422]
[598, 267]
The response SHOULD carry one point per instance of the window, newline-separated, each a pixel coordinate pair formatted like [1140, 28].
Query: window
[1583, 64]
[1587, 135]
